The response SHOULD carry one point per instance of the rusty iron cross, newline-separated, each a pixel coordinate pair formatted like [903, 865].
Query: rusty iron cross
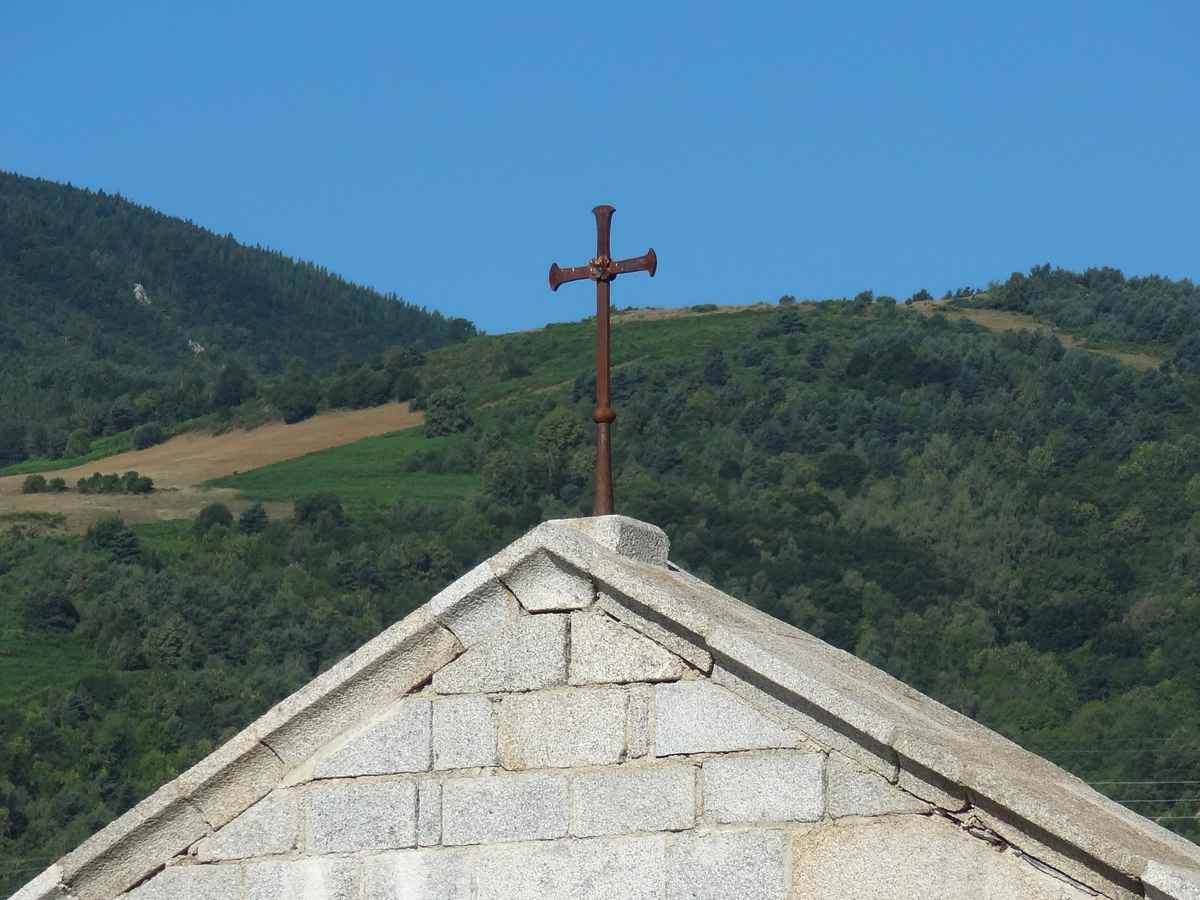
[602, 270]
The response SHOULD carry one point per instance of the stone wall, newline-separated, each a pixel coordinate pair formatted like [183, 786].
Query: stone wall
[569, 756]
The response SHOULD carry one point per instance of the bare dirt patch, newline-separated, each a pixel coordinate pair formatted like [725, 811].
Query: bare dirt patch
[181, 465]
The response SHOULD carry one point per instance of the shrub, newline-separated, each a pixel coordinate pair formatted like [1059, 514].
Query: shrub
[79, 443]
[49, 612]
[34, 484]
[147, 435]
[114, 537]
[704, 307]
[446, 412]
[322, 510]
[253, 519]
[56, 485]
[787, 300]
[212, 515]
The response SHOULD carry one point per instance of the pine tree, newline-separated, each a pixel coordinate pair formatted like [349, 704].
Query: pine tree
[253, 520]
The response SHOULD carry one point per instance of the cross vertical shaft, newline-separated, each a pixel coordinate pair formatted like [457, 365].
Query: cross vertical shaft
[602, 269]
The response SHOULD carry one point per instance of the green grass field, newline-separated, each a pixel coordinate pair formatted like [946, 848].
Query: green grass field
[369, 472]
[101, 448]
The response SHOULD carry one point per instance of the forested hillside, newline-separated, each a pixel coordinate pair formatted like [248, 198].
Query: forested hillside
[115, 315]
[1009, 526]
[1105, 307]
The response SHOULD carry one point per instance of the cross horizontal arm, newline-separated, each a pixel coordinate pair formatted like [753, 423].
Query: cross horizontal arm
[559, 275]
[648, 262]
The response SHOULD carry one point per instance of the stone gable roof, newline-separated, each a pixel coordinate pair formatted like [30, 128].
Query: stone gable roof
[609, 585]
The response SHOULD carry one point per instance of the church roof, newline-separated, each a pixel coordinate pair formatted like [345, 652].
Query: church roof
[969, 774]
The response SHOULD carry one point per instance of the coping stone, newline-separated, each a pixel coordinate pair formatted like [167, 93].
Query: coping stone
[1170, 883]
[475, 606]
[527, 654]
[272, 825]
[302, 879]
[562, 728]
[508, 807]
[239, 773]
[464, 732]
[623, 799]
[628, 537]
[545, 582]
[719, 865]
[126, 851]
[46, 886]
[398, 741]
[603, 651]
[782, 786]
[382, 671]
[702, 717]
[347, 816]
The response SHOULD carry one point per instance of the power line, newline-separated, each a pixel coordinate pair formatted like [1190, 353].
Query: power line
[1094, 783]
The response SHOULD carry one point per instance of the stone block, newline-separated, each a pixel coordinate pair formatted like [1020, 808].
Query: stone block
[270, 826]
[378, 674]
[914, 858]
[398, 741]
[639, 721]
[661, 631]
[346, 816]
[495, 808]
[702, 717]
[529, 653]
[851, 791]
[784, 786]
[475, 606]
[126, 851]
[818, 733]
[215, 882]
[603, 651]
[545, 582]
[1171, 883]
[627, 537]
[442, 874]
[721, 865]
[464, 732]
[625, 799]
[628, 868]
[302, 879]
[47, 886]
[429, 813]
[237, 774]
[562, 728]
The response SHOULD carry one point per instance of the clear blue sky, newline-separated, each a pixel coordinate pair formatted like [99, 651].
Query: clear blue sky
[449, 152]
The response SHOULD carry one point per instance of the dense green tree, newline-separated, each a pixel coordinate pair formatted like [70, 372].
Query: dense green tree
[446, 412]
[253, 519]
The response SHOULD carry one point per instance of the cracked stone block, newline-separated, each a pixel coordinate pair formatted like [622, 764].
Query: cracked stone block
[784, 786]
[603, 651]
[464, 732]
[529, 653]
[545, 582]
[227, 781]
[399, 741]
[922, 857]
[344, 817]
[510, 807]
[214, 882]
[562, 728]
[626, 799]
[475, 606]
[702, 717]
[720, 865]
[269, 826]
[327, 879]
[853, 791]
